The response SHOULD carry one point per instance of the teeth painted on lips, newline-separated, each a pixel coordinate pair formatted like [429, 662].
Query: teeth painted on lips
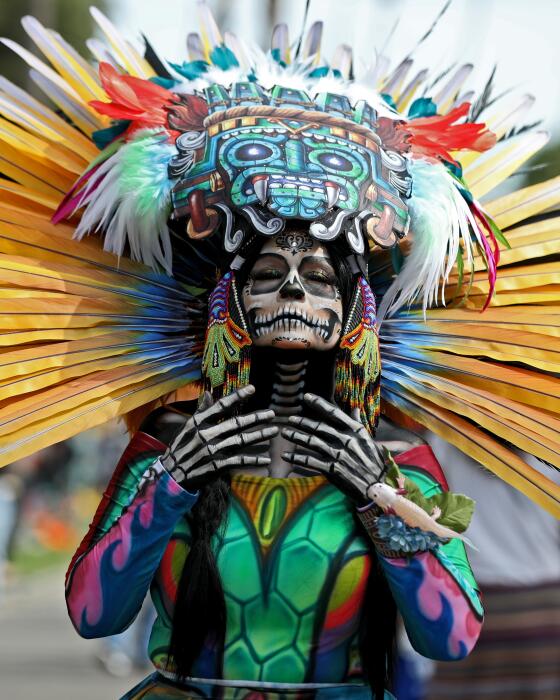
[291, 318]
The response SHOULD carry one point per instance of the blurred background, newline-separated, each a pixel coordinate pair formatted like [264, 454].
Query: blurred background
[47, 500]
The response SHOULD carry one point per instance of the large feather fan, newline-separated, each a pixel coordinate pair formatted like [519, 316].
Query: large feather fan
[89, 334]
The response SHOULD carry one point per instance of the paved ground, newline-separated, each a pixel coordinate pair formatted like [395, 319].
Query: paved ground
[41, 656]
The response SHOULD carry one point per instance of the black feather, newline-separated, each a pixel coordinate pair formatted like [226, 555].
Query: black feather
[516, 130]
[303, 25]
[154, 60]
[430, 30]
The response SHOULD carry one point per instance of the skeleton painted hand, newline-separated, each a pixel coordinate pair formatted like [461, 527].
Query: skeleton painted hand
[339, 446]
[206, 446]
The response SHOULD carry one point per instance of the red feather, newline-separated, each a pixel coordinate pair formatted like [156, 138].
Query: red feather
[436, 136]
[142, 102]
[189, 114]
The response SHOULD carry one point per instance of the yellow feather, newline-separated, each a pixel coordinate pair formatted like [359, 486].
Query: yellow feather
[33, 174]
[118, 399]
[78, 75]
[43, 151]
[23, 193]
[515, 383]
[209, 32]
[46, 124]
[521, 204]
[410, 91]
[501, 161]
[126, 56]
[482, 448]
[524, 427]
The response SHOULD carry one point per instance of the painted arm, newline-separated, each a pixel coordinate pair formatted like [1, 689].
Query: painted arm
[441, 610]
[435, 591]
[112, 569]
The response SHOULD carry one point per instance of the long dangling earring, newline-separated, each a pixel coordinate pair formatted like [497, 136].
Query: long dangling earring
[357, 371]
[226, 361]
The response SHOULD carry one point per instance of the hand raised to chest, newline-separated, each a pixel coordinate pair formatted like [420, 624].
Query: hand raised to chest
[213, 440]
[337, 446]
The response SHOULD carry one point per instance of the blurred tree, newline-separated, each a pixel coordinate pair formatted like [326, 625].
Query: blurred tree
[70, 18]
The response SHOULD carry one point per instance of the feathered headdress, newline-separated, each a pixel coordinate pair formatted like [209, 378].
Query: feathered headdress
[237, 136]
[171, 161]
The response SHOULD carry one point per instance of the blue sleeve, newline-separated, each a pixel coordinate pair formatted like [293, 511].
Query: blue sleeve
[108, 582]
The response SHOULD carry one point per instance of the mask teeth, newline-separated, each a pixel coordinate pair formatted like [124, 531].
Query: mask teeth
[260, 184]
[290, 318]
[333, 190]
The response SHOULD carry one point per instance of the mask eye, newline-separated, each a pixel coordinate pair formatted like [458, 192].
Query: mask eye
[253, 151]
[335, 161]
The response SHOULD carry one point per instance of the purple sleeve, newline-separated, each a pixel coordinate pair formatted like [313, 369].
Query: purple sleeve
[107, 584]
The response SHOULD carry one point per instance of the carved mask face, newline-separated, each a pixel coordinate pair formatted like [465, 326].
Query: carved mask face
[291, 296]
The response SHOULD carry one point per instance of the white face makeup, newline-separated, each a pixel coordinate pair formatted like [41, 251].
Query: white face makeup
[291, 296]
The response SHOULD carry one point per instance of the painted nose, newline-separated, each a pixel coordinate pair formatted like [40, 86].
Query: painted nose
[292, 289]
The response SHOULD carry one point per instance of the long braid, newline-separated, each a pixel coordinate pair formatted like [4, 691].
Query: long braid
[377, 634]
[200, 611]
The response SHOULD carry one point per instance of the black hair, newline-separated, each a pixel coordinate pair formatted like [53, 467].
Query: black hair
[377, 632]
[200, 611]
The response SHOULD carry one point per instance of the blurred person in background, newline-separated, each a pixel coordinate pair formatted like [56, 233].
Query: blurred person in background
[517, 564]
[11, 491]
[37, 485]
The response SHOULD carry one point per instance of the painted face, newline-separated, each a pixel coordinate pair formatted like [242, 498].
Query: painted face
[291, 296]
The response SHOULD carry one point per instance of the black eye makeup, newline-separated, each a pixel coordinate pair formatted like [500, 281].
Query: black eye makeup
[318, 274]
[268, 273]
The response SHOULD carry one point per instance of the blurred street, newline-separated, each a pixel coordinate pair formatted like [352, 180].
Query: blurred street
[41, 656]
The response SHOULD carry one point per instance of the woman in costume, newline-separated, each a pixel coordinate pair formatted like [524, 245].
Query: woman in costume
[275, 534]
[263, 578]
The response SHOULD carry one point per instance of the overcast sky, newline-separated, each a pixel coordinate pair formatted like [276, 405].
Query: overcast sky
[521, 36]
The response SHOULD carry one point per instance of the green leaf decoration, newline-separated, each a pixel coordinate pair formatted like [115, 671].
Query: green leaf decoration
[456, 509]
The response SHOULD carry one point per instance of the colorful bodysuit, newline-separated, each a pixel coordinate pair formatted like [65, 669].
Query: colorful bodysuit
[294, 564]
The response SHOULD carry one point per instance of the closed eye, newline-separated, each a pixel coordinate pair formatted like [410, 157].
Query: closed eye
[267, 274]
[318, 276]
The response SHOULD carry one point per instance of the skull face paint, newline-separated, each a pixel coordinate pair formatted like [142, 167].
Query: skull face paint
[291, 296]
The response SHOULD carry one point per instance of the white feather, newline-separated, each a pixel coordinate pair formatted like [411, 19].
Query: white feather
[129, 199]
[440, 220]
